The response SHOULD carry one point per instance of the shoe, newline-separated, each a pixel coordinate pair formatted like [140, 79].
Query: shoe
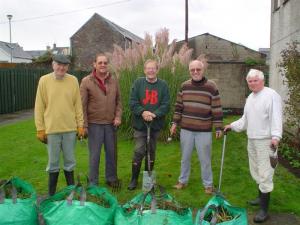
[179, 186]
[209, 190]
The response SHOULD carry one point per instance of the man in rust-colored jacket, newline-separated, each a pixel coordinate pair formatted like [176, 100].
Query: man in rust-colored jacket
[102, 110]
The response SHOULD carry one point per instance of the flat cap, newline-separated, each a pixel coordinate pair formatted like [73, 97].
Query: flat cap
[62, 59]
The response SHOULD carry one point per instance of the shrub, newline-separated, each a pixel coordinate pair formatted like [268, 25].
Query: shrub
[290, 70]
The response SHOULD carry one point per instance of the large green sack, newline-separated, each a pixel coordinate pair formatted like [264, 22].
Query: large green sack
[17, 203]
[217, 205]
[57, 210]
[132, 214]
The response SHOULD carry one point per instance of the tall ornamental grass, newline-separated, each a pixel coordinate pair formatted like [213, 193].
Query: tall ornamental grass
[128, 65]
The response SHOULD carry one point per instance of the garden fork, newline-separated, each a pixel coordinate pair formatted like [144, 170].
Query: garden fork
[116, 185]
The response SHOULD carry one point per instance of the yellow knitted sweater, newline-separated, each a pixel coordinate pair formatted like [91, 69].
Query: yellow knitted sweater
[58, 106]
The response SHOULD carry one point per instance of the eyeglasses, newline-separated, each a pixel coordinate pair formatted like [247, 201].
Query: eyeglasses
[195, 70]
[102, 62]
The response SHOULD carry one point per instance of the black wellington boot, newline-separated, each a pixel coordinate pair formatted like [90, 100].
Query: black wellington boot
[69, 175]
[135, 175]
[52, 182]
[262, 214]
[256, 201]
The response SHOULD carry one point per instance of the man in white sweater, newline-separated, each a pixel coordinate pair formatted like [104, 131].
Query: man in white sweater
[262, 119]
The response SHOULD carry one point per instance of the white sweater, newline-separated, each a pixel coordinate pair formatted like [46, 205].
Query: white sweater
[262, 116]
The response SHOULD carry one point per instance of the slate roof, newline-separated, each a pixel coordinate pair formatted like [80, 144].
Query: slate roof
[36, 53]
[17, 50]
[116, 27]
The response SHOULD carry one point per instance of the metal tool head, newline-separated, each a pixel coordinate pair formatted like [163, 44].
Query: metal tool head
[115, 185]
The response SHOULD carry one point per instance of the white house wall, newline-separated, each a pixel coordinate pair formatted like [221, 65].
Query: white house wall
[285, 28]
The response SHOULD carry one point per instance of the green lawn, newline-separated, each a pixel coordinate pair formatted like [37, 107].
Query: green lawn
[23, 156]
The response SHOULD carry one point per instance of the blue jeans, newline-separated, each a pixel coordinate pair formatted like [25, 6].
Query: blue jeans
[202, 141]
[64, 142]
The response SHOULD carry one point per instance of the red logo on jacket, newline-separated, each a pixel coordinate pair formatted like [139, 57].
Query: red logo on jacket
[151, 96]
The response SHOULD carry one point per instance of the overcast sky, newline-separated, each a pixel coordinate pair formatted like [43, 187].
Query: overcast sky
[38, 23]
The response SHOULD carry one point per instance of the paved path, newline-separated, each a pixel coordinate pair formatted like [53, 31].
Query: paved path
[278, 219]
[15, 117]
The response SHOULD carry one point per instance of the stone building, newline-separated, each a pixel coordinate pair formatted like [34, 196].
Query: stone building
[228, 65]
[98, 35]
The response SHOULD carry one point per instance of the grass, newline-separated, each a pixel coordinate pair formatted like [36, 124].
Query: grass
[23, 156]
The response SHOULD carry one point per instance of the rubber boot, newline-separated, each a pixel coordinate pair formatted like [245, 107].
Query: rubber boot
[69, 175]
[136, 167]
[52, 182]
[256, 201]
[262, 214]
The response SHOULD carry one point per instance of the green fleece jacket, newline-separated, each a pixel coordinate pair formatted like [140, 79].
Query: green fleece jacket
[153, 97]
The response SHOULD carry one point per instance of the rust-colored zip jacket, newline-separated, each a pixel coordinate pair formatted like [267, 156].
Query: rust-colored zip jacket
[98, 107]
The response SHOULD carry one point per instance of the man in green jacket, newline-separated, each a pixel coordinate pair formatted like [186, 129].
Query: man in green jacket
[149, 103]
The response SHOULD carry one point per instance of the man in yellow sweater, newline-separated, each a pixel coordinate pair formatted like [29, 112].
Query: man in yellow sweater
[58, 117]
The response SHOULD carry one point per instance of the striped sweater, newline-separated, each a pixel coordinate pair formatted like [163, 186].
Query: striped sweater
[198, 106]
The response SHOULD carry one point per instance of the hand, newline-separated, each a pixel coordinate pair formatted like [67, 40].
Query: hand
[274, 143]
[81, 133]
[218, 134]
[173, 129]
[148, 116]
[117, 122]
[227, 128]
[42, 136]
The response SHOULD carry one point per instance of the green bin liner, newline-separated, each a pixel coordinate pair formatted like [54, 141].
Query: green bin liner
[129, 214]
[56, 210]
[21, 208]
[204, 216]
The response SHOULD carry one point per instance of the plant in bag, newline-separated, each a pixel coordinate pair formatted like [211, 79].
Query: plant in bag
[151, 208]
[17, 203]
[79, 205]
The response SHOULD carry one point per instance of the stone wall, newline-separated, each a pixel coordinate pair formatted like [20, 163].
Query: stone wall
[230, 79]
[219, 49]
[87, 42]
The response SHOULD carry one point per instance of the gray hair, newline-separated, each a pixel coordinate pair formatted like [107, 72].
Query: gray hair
[255, 73]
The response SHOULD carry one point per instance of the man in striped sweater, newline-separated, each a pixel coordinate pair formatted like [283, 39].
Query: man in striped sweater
[197, 110]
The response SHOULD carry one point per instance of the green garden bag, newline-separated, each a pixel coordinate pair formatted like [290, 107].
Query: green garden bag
[219, 211]
[149, 209]
[17, 203]
[75, 205]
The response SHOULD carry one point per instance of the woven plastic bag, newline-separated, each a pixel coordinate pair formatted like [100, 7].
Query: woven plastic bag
[149, 209]
[219, 211]
[17, 203]
[75, 205]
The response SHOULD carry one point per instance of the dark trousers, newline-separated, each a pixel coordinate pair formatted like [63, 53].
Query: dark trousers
[140, 138]
[99, 134]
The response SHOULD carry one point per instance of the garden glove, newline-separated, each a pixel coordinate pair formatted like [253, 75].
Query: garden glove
[42, 136]
[81, 133]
